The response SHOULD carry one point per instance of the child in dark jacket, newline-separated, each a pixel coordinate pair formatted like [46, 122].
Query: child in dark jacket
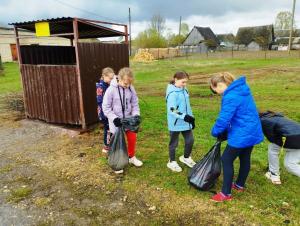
[239, 119]
[101, 87]
[285, 133]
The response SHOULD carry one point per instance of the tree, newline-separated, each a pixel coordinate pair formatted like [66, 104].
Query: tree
[184, 29]
[158, 24]
[175, 40]
[283, 21]
[150, 39]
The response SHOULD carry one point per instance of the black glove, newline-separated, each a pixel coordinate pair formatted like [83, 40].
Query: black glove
[117, 122]
[189, 119]
[222, 136]
[193, 125]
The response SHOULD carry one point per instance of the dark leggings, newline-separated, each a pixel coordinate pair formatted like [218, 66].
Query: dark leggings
[106, 134]
[228, 157]
[188, 143]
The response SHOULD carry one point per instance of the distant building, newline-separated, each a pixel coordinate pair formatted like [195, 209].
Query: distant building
[201, 39]
[256, 38]
[8, 50]
[282, 39]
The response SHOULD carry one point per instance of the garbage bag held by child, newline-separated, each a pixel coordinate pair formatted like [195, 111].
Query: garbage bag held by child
[118, 155]
[206, 172]
[131, 123]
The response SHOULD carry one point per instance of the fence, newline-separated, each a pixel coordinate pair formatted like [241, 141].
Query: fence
[187, 52]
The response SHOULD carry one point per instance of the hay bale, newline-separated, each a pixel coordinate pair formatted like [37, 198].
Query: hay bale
[143, 55]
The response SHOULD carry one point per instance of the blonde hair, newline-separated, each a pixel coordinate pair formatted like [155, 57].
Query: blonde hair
[224, 77]
[125, 71]
[106, 71]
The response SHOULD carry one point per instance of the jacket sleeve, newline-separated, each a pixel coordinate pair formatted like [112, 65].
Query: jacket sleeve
[107, 105]
[171, 104]
[135, 102]
[228, 109]
[99, 93]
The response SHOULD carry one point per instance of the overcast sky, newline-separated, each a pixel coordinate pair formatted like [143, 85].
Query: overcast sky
[222, 16]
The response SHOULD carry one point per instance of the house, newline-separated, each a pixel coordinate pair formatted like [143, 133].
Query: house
[226, 40]
[8, 49]
[256, 38]
[201, 39]
[282, 39]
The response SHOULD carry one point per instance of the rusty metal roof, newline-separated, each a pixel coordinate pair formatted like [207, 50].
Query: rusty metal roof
[64, 25]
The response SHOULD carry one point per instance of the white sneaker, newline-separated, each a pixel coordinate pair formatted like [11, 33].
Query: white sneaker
[119, 171]
[273, 177]
[187, 161]
[134, 161]
[174, 166]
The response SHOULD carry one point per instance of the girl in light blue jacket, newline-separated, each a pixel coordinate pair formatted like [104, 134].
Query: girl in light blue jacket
[180, 120]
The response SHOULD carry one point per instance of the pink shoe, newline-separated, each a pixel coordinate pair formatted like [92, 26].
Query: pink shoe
[220, 197]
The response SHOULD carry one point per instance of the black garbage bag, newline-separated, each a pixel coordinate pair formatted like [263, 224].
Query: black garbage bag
[131, 123]
[118, 155]
[205, 173]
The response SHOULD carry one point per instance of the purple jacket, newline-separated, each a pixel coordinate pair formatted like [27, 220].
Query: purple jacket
[112, 106]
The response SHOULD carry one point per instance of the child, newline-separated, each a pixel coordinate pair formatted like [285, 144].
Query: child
[101, 87]
[121, 101]
[281, 132]
[180, 120]
[239, 119]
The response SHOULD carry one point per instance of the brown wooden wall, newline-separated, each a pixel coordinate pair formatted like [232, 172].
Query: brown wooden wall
[51, 93]
[93, 57]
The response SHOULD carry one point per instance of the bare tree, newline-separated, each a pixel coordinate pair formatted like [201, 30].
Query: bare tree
[283, 21]
[158, 24]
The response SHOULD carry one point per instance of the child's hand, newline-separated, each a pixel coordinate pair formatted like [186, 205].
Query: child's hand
[189, 119]
[117, 122]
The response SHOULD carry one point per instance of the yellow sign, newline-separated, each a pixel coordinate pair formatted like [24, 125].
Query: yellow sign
[42, 29]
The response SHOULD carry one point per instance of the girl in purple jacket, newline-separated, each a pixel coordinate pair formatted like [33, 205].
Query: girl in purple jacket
[121, 101]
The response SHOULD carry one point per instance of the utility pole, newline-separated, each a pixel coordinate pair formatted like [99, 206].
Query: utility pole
[179, 25]
[292, 25]
[129, 33]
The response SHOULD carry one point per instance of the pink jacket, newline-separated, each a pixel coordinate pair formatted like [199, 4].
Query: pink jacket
[112, 107]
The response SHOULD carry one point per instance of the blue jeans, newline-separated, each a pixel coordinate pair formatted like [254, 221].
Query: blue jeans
[228, 157]
[106, 133]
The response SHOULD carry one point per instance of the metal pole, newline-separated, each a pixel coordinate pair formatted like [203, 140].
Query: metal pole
[292, 24]
[179, 25]
[130, 50]
[75, 43]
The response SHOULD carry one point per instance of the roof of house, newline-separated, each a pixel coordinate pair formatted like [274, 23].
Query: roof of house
[64, 25]
[207, 33]
[286, 33]
[245, 35]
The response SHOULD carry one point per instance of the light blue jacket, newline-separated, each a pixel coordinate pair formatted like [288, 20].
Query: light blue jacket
[178, 99]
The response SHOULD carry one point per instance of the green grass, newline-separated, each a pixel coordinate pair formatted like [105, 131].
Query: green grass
[276, 88]
[10, 80]
[275, 84]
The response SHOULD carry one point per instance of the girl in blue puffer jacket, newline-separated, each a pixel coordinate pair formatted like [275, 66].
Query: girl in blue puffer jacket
[180, 120]
[238, 119]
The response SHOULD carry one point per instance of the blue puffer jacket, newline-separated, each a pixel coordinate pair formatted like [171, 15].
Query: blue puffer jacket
[178, 99]
[239, 116]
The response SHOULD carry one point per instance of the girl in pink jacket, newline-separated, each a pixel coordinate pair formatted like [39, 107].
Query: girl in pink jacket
[121, 101]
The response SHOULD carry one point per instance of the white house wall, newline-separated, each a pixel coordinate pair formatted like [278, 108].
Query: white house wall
[194, 38]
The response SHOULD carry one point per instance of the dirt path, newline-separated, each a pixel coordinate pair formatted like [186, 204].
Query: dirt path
[44, 183]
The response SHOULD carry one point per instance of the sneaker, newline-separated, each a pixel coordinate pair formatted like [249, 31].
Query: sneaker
[220, 197]
[134, 161]
[119, 171]
[187, 161]
[174, 166]
[105, 149]
[273, 177]
[237, 187]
